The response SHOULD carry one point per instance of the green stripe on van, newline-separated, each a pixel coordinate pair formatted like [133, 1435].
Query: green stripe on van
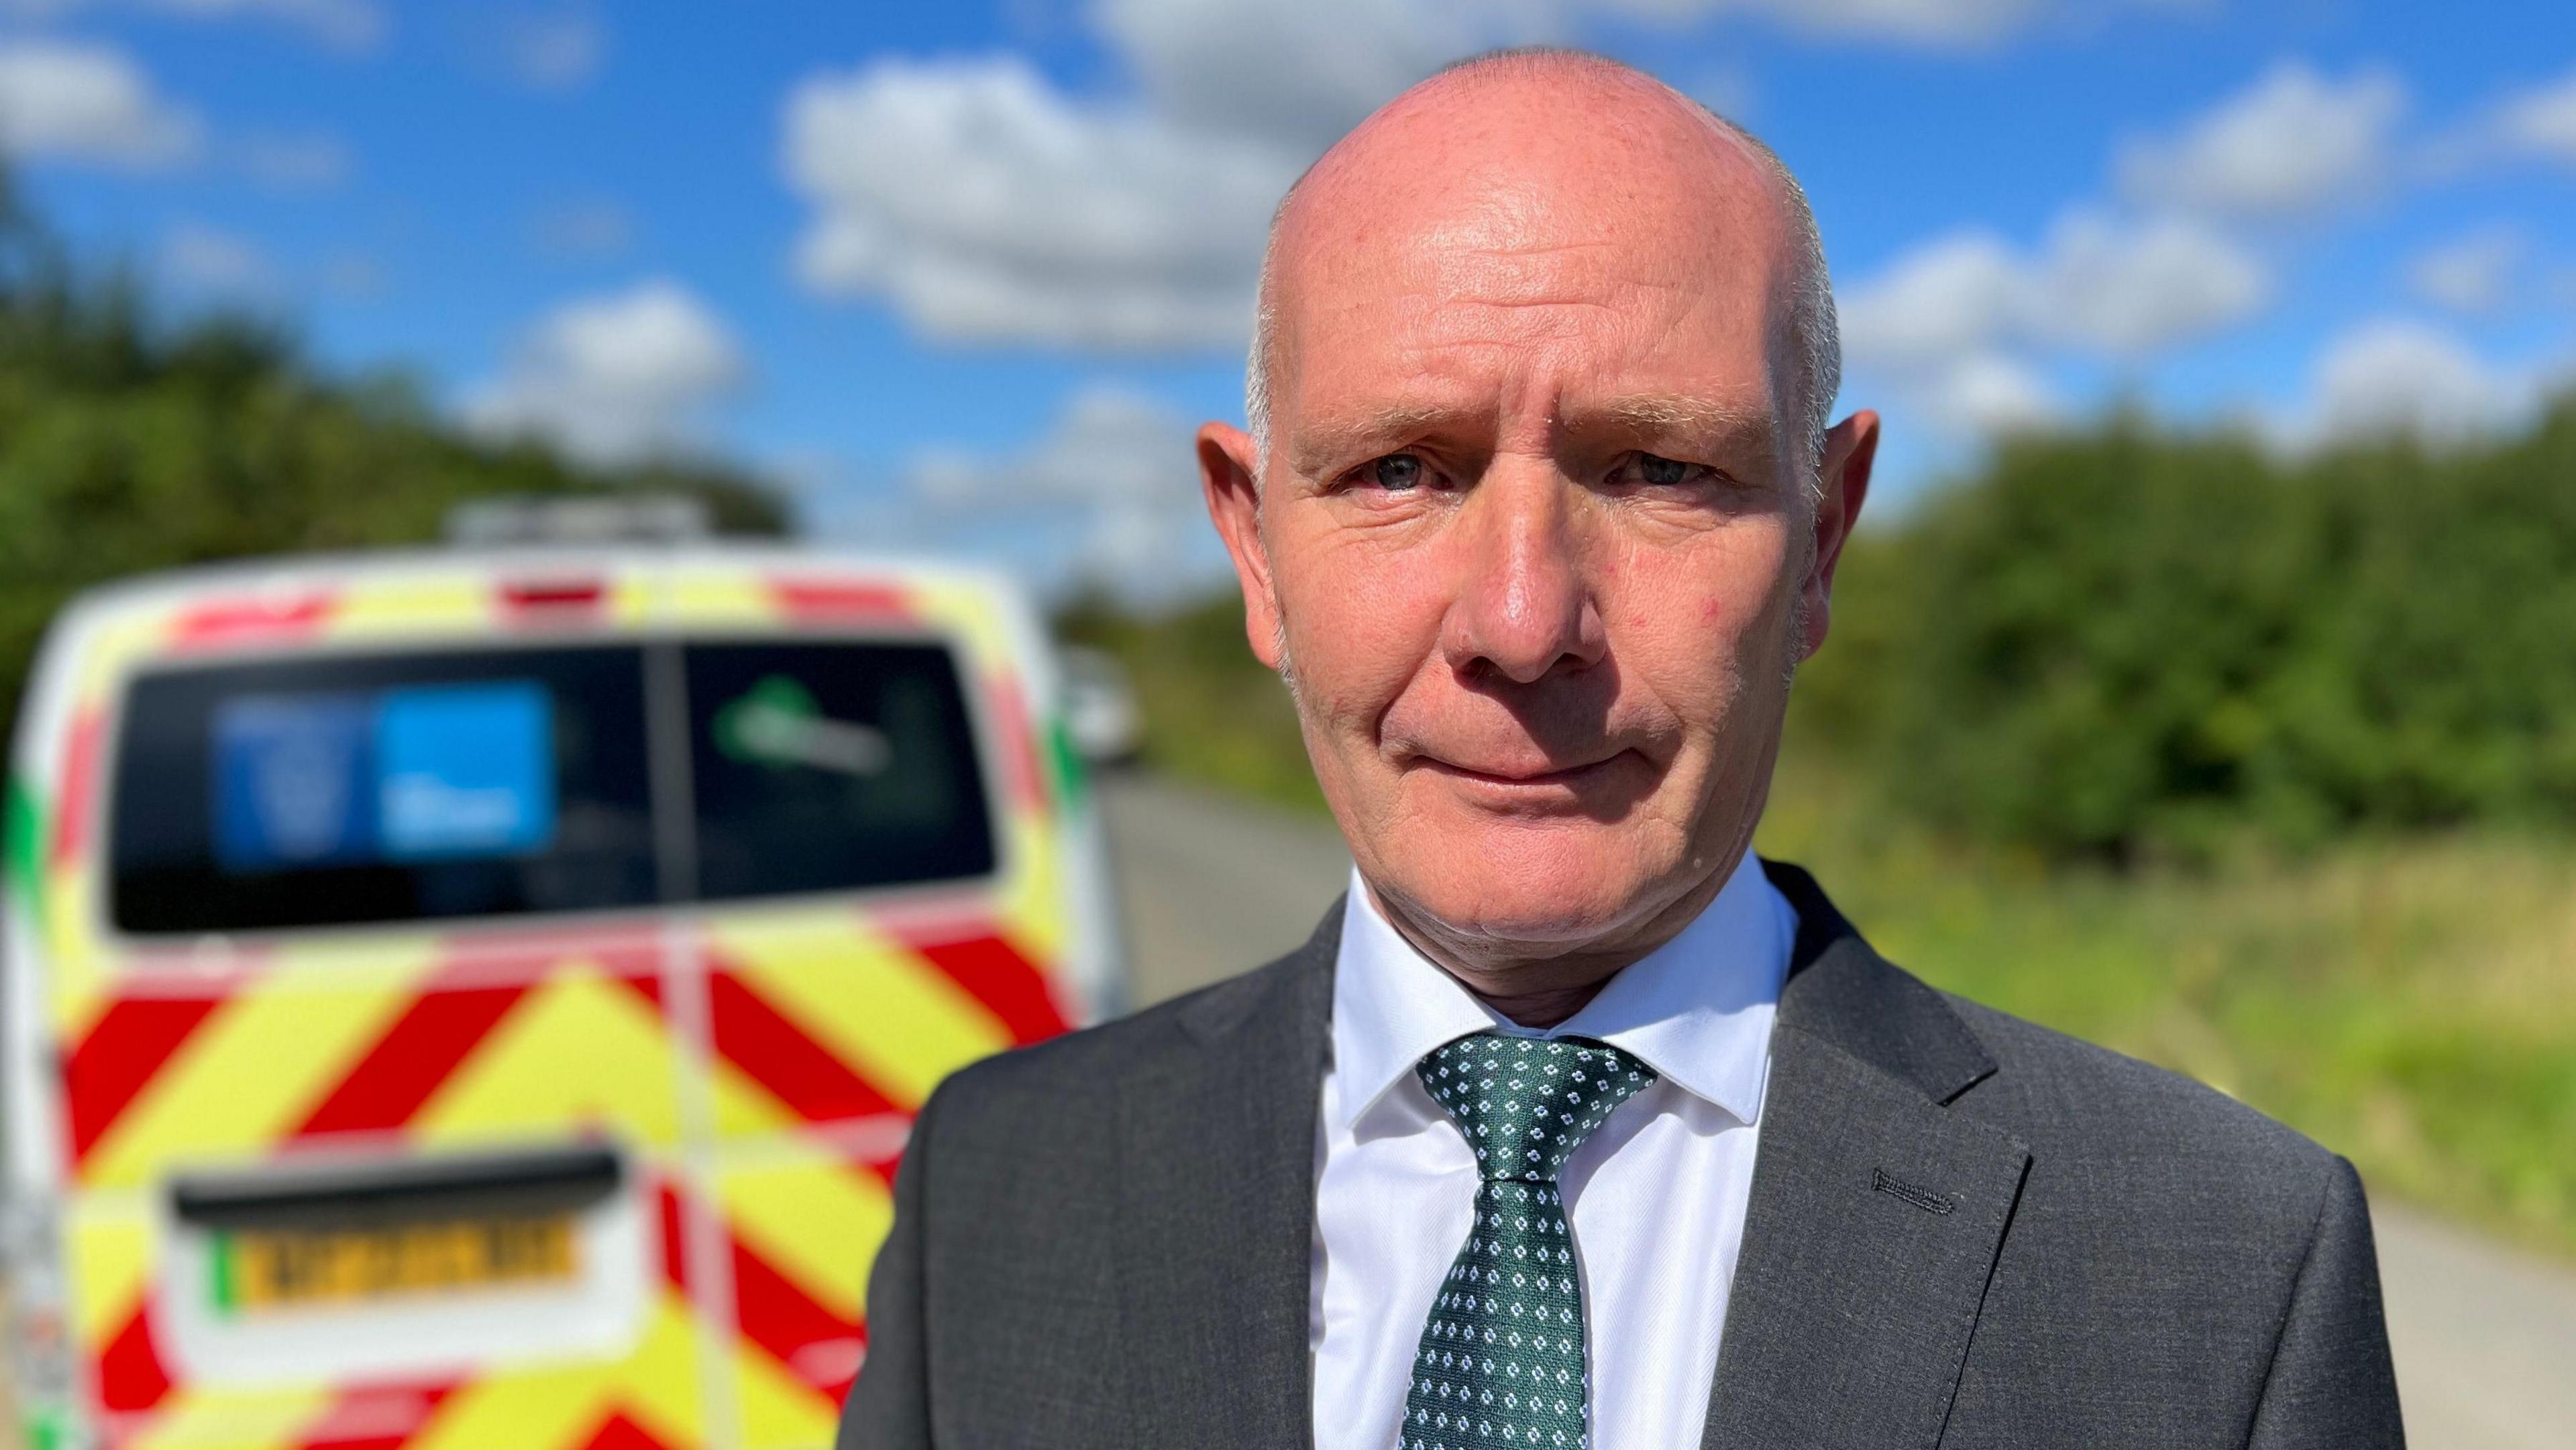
[22, 850]
[220, 1255]
[1071, 781]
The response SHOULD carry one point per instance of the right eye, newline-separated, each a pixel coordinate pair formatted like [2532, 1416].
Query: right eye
[1397, 472]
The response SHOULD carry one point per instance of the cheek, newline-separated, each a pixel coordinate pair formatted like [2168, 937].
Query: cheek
[1361, 623]
[1695, 624]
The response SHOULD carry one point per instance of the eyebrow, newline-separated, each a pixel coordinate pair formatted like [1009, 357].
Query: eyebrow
[1698, 421]
[1320, 445]
[1672, 415]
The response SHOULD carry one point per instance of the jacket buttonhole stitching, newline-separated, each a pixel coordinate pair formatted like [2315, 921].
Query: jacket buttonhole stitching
[1922, 1198]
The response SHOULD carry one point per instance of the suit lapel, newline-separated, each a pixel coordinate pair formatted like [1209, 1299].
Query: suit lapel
[1876, 1213]
[1218, 1177]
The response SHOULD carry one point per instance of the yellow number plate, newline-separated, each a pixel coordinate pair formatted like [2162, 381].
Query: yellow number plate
[261, 1270]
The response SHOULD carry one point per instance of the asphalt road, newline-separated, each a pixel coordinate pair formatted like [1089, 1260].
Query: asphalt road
[2485, 1337]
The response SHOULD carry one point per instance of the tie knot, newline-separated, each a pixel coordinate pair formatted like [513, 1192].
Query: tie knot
[1526, 1103]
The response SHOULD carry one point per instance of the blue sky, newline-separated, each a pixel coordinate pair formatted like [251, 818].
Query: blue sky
[965, 275]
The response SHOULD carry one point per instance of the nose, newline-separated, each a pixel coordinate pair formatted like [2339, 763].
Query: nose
[1524, 607]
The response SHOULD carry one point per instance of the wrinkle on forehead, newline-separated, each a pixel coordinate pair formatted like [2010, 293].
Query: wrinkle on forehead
[1707, 420]
[1473, 191]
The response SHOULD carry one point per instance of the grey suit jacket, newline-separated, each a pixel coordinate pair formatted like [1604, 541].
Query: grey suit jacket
[1964, 1231]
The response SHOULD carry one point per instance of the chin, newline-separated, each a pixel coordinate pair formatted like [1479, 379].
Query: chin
[1557, 882]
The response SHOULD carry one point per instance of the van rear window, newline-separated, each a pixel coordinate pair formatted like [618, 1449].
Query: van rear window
[339, 790]
[830, 766]
[336, 790]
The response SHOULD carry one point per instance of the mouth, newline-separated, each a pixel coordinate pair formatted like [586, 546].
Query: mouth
[1572, 777]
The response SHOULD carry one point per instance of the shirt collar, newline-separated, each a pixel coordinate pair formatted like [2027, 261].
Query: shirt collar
[1697, 1009]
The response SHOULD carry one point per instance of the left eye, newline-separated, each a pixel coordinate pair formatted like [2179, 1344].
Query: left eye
[1662, 472]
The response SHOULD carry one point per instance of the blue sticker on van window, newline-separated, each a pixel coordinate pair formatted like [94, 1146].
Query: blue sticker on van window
[465, 770]
[294, 781]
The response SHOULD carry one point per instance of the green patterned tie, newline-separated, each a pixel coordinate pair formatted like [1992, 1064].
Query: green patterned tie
[1502, 1360]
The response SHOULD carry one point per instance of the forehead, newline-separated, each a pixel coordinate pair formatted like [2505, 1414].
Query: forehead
[1469, 245]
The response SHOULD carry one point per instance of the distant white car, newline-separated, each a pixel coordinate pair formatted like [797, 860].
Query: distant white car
[1100, 714]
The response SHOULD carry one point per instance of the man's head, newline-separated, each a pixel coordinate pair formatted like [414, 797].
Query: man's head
[1543, 514]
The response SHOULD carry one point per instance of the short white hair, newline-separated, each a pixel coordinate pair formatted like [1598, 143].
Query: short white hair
[1806, 345]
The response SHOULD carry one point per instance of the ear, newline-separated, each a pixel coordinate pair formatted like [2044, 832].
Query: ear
[1229, 473]
[1842, 481]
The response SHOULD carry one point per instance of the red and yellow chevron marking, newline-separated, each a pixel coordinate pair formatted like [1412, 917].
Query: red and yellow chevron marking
[75, 802]
[648, 1400]
[409, 603]
[1028, 772]
[257, 619]
[301, 1048]
[805, 1223]
[842, 601]
[834, 1018]
[762, 1044]
[822, 1018]
[215, 1077]
[824, 1014]
[802, 1226]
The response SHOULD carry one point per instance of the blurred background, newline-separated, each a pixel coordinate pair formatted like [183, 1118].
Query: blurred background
[2202, 681]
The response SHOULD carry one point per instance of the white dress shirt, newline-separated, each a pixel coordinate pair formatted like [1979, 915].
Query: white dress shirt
[1656, 1196]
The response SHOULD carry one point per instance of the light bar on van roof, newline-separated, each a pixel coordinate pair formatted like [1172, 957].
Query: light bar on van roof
[519, 519]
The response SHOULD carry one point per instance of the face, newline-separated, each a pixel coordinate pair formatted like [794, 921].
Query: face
[1532, 548]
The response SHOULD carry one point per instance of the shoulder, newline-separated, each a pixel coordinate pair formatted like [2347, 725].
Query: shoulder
[1028, 1089]
[2138, 1130]
[2094, 1121]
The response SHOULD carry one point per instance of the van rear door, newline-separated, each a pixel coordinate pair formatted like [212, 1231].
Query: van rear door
[373, 1108]
[880, 905]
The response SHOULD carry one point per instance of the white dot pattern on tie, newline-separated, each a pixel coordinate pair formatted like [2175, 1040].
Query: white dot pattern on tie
[1502, 1360]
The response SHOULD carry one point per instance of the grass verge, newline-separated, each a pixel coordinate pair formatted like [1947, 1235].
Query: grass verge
[2409, 1003]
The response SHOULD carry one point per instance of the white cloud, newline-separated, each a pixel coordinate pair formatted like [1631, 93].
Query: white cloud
[2094, 286]
[2394, 378]
[1956, 330]
[343, 24]
[584, 228]
[202, 259]
[2128, 291]
[1729, 89]
[349, 24]
[556, 50]
[1936, 23]
[76, 101]
[2541, 121]
[1955, 294]
[293, 162]
[2473, 272]
[613, 378]
[353, 276]
[1303, 71]
[1111, 493]
[1987, 395]
[983, 204]
[2293, 143]
[1299, 72]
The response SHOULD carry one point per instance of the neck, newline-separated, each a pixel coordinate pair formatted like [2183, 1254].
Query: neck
[1544, 1008]
[1539, 985]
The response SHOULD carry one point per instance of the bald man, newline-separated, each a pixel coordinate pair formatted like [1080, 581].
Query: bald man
[1576, 1124]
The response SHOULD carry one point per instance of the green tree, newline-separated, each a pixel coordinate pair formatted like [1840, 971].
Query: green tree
[2123, 642]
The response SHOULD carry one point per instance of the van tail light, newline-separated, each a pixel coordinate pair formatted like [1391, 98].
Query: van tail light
[552, 598]
[42, 1370]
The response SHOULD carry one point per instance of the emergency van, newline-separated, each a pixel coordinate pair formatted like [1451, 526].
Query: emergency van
[476, 999]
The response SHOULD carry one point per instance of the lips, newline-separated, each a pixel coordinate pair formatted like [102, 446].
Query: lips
[1533, 777]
